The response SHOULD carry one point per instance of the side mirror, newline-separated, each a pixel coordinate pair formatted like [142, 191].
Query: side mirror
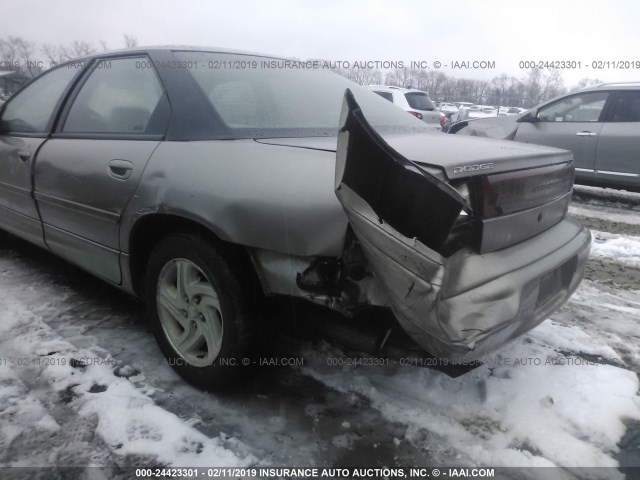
[530, 117]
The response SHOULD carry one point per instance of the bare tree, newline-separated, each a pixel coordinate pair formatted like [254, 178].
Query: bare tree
[448, 89]
[130, 41]
[9, 53]
[542, 85]
[552, 85]
[79, 48]
[403, 77]
[54, 54]
[498, 90]
[431, 82]
[19, 55]
[586, 82]
[517, 91]
[25, 52]
[363, 76]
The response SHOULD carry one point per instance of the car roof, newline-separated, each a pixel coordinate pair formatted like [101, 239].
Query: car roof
[169, 48]
[615, 85]
[594, 88]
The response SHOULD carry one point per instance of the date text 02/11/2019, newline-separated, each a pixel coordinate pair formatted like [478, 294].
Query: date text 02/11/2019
[578, 64]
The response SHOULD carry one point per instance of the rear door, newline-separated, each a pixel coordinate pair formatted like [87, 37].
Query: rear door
[89, 170]
[571, 123]
[618, 152]
[25, 124]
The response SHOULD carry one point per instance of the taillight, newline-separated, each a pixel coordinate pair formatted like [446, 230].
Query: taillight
[416, 114]
[443, 120]
[505, 193]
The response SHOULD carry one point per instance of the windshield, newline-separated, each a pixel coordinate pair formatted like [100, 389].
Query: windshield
[265, 97]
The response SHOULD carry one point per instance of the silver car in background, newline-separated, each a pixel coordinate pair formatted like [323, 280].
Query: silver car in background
[599, 124]
[203, 181]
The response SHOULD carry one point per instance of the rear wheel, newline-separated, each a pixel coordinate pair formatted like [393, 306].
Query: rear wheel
[200, 311]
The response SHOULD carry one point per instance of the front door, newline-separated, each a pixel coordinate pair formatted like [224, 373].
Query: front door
[24, 126]
[571, 123]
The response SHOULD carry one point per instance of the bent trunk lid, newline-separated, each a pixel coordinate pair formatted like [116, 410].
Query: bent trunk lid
[423, 185]
[408, 213]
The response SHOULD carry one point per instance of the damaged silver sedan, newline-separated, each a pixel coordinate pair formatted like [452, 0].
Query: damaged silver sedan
[203, 181]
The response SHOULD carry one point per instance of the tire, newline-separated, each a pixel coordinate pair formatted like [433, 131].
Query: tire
[200, 311]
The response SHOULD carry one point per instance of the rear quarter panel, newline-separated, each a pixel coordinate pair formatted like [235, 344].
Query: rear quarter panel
[264, 196]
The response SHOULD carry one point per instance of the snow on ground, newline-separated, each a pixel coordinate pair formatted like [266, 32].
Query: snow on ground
[531, 405]
[96, 391]
[623, 248]
[40, 369]
[607, 197]
[608, 214]
[610, 316]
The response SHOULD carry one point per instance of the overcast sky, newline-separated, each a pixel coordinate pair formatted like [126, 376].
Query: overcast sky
[505, 31]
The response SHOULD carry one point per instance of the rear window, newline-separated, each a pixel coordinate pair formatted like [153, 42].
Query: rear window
[419, 101]
[263, 97]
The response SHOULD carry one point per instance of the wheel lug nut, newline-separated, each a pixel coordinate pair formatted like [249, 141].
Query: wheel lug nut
[202, 317]
[186, 299]
[185, 313]
[197, 300]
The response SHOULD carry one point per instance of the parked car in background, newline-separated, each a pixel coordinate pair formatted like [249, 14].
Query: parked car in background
[205, 190]
[463, 104]
[415, 102]
[448, 109]
[502, 110]
[515, 111]
[599, 124]
[475, 111]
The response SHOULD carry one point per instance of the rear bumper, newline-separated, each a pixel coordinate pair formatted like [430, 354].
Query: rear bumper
[481, 319]
[469, 305]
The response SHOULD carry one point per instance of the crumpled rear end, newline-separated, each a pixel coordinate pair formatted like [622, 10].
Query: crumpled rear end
[468, 305]
[457, 302]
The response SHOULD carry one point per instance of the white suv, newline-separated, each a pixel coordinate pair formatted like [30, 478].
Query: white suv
[415, 102]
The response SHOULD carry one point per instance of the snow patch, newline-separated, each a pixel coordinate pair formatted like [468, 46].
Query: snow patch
[128, 421]
[623, 248]
[551, 410]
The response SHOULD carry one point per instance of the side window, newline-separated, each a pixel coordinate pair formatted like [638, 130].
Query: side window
[31, 110]
[236, 102]
[627, 107]
[121, 96]
[385, 95]
[584, 107]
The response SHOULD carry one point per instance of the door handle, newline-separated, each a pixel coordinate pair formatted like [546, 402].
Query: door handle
[24, 155]
[586, 133]
[120, 169]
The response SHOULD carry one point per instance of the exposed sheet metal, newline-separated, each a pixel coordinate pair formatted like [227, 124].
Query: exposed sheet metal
[281, 274]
